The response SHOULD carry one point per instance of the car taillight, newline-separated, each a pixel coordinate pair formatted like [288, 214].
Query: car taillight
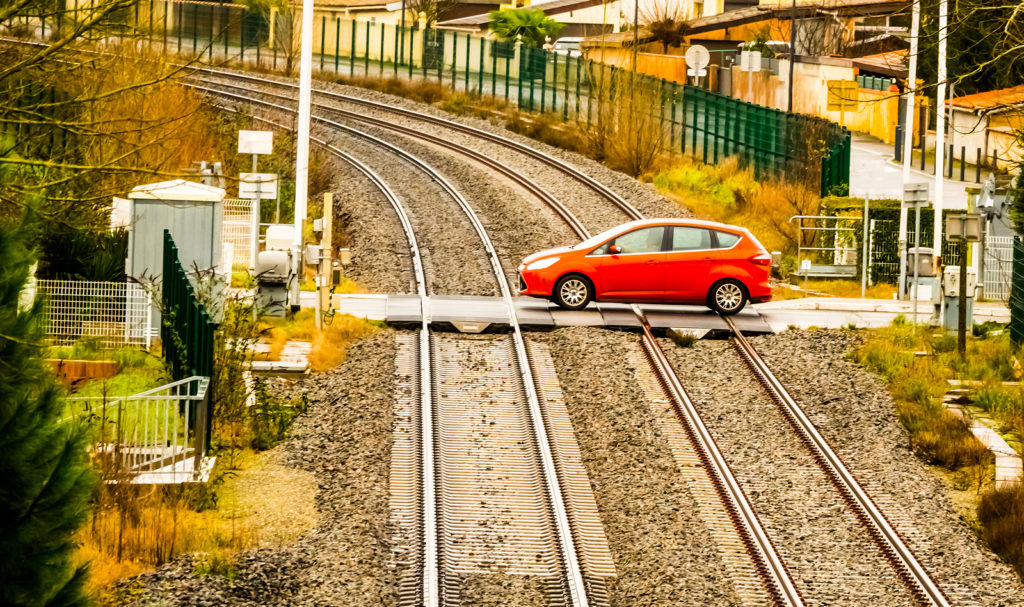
[762, 259]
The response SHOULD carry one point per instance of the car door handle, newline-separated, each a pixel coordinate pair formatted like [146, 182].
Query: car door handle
[709, 259]
[652, 263]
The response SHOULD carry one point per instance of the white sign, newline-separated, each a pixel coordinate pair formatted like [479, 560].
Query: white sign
[696, 72]
[750, 61]
[255, 142]
[805, 265]
[251, 183]
[697, 57]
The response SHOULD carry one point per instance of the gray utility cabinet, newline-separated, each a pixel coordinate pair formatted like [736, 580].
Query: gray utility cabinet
[194, 214]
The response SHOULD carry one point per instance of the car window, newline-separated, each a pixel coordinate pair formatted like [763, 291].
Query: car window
[690, 239]
[644, 240]
[726, 239]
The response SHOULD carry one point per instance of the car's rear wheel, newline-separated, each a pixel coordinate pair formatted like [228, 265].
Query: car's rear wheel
[727, 296]
[573, 292]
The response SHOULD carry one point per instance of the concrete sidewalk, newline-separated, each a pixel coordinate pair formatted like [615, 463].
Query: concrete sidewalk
[837, 312]
[873, 172]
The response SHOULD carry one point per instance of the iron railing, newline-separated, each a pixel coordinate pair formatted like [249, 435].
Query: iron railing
[1017, 292]
[186, 329]
[157, 436]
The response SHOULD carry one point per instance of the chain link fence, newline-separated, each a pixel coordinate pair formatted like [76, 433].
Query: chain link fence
[116, 314]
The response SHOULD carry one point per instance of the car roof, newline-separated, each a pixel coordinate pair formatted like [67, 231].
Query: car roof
[569, 39]
[681, 221]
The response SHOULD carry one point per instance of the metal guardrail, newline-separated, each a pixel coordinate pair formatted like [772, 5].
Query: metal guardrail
[156, 436]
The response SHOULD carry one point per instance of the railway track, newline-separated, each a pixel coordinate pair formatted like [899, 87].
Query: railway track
[435, 588]
[776, 586]
[883, 535]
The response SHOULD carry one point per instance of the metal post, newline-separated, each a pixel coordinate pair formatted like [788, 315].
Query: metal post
[323, 40]
[366, 51]
[917, 254]
[792, 53]
[254, 245]
[401, 52]
[963, 161]
[940, 129]
[977, 167]
[864, 249]
[302, 136]
[908, 139]
[961, 313]
[352, 50]
[337, 41]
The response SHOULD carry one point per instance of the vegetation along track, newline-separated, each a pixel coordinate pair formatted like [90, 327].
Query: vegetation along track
[769, 566]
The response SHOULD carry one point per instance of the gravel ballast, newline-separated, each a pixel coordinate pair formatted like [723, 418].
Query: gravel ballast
[853, 410]
[663, 553]
[344, 440]
[825, 548]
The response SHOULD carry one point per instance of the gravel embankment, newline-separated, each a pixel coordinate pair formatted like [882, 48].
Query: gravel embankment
[517, 222]
[580, 199]
[663, 553]
[595, 213]
[380, 255]
[832, 561]
[344, 440]
[452, 256]
[853, 410]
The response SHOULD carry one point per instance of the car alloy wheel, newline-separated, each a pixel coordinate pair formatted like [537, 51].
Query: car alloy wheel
[729, 297]
[573, 292]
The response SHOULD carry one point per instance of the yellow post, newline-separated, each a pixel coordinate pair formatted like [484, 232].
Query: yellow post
[324, 275]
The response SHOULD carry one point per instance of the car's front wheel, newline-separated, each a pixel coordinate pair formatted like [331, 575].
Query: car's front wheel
[727, 296]
[573, 292]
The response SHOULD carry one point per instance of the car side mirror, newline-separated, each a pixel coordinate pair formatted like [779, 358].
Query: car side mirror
[615, 249]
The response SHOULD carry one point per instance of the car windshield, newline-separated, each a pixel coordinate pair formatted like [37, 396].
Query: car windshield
[593, 241]
[563, 45]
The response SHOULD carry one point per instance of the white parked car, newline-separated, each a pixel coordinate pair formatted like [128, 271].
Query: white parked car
[567, 46]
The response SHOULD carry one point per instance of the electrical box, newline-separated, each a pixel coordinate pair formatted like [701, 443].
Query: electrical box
[926, 264]
[311, 254]
[966, 225]
[280, 237]
[951, 282]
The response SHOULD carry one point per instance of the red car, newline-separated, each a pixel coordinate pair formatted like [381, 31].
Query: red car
[685, 261]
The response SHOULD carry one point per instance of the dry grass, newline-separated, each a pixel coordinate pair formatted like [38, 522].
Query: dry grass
[329, 345]
[918, 383]
[136, 529]
[1001, 513]
[832, 288]
[728, 192]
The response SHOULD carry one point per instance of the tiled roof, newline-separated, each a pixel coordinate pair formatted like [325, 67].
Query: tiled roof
[991, 100]
[892, 63]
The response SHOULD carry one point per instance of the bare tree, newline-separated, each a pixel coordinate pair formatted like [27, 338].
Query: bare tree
[431, 10]
[78, 122]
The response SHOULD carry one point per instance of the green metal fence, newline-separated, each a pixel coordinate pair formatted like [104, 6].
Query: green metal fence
[186, 330]
[1017, 292]
[690, 120]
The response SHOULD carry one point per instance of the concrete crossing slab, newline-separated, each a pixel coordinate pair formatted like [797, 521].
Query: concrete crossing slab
[489, 313]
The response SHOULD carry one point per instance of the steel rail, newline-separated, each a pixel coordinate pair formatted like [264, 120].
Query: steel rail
[561, 165]
[569, 556]
[769, 565]
[431, 576]
[896, 551]
[540, 193]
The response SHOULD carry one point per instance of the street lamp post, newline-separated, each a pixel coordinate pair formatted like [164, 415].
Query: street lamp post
[302, 143]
